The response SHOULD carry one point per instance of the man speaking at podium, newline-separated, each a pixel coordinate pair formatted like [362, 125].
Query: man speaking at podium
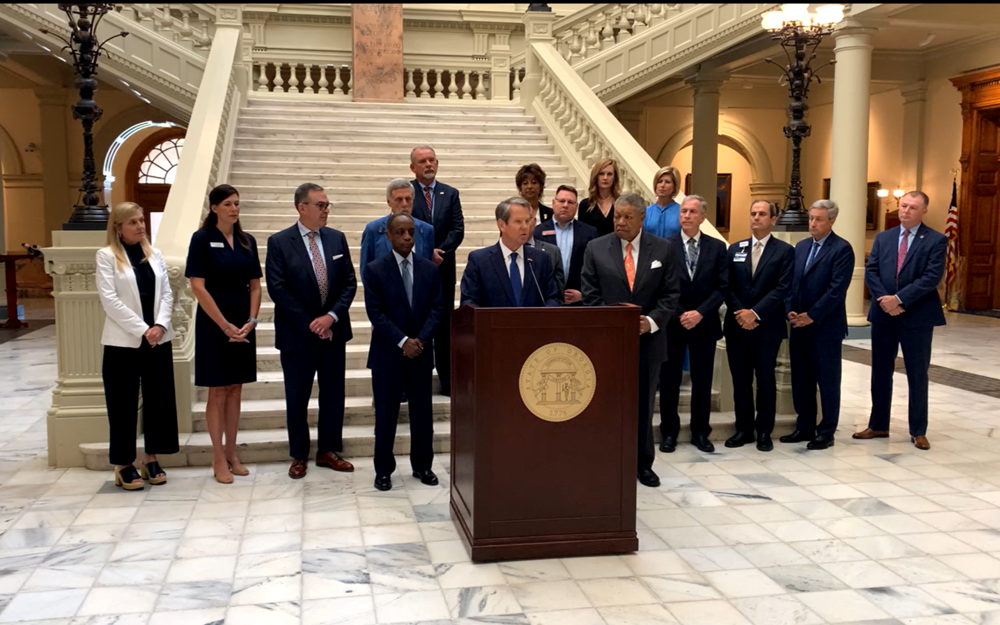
[510, 274]
[635, 268]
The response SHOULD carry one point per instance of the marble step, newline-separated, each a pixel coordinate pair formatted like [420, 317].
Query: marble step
[270, 385]
[283, 190]
[268, 225]
[347, 116]
[357, 185]
[452, 107]
[269, 358]
[268, 414]
[376, 207]
[404, 136]
[461, 254]
[474, 239]
[384, 158]
[271, 445]
[369, 127]
[446, 150]
[357, 309]
[460, 171]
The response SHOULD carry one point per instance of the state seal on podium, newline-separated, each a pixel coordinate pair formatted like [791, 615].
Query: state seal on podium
[557, 382]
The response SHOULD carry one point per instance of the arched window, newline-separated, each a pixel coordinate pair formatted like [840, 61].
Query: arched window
[160, 164]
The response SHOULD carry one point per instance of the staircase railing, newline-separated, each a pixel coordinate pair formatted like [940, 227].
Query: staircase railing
[204, 163]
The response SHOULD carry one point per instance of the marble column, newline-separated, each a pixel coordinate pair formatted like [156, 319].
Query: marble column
[499, 57]
[849, 158]
[705, 144]
[914, 114]
[770, 191]
[537, 29]
[53, 111]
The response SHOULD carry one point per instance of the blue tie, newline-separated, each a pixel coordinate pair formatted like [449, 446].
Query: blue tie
[812, 254]
[515, 279]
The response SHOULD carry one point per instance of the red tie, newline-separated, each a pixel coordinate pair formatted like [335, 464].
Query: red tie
[901, 255]
[430, 203]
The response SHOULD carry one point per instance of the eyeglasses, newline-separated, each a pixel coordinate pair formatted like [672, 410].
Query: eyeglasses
[321, 205]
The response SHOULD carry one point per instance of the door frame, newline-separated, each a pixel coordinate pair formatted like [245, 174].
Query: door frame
[138, 156]
[979, 283]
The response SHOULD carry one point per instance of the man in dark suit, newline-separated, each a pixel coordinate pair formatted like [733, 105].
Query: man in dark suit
[311, 280]
[439, 205]
[633, 267]
[818, 314]
[902, 273]
[403, 301]
[509, 273]
[760, 278]
[571, 236]
[555, 257]
[694, 327]
[375, 243]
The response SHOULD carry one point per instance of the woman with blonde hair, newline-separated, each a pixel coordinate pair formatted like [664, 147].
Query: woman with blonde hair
[598, 209]
[134, 289]
[663, 217]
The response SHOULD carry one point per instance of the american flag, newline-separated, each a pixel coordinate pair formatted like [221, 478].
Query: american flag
[951, 231]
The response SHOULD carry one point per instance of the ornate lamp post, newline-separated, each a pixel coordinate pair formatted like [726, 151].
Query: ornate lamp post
[800, 33]
[89, 213]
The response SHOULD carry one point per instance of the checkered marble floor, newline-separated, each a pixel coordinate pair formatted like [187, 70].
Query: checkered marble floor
[871, 533]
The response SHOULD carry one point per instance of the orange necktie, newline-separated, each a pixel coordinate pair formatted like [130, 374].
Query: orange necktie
[629, 265]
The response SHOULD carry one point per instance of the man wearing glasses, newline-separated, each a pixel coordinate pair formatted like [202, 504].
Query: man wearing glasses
[310, 279]
[570, 235]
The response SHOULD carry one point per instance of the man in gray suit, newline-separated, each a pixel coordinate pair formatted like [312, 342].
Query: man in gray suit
[635, 268]
[552, 250]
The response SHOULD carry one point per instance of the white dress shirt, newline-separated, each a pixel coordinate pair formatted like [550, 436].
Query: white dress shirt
[409, 270]
[635, 261]
[763, 246]
[506, 259]
[319, 244]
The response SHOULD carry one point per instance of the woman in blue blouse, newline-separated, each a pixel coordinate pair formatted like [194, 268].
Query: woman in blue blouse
[663, 217]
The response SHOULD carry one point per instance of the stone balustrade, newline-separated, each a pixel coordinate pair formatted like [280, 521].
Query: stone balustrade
[181, 23]
[333, 79]
[593, 30]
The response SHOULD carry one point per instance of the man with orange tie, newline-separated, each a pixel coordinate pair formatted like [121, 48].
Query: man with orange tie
[635, 268]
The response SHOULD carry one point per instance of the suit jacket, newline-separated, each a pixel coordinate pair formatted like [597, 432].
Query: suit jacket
[919, 277]
[706, 290]
[764, 292]
[582, 235]
[655, 290]
[375, 244]
[486, 281]
[821, 290]
[448, 221]
[392, 316]
[292, 286]
[544, 212]
[119, 294]
[555, 257]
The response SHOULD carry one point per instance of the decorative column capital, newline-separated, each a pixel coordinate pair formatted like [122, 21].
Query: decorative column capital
[51, 96]
[230, 15]
[538, 26]
[706, 81]
[853, 33]
[914, 92]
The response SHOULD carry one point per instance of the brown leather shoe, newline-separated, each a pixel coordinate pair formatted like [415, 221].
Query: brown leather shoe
[331, 460]
[298, 469]
[869, 433]
[920, 442]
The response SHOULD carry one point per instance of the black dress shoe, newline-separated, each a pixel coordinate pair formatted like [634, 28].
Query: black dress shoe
[797, 437]
[764, 442]
[648, 478]
[820, 442]
[739, 439]
[668, 444]
[383, 482]
[426, 477]
[702, 443]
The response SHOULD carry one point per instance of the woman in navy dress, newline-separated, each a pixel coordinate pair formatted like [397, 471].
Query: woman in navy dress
[598, 208]
[224, 270]
[663, 217]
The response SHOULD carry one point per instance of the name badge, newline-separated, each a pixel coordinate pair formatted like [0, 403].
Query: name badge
[740, 258]
[216, 244]
[744, 243]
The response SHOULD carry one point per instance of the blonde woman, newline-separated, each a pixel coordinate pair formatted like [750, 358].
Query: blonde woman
[663, 217]
[598, 208]
[134, 290]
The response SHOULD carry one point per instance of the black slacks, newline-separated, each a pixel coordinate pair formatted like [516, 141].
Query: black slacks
[326, 363]
[649, 373]
[916, 343]
[753, 357]
[815, 362]
[388, 387]
[701, 350]
[125, 370]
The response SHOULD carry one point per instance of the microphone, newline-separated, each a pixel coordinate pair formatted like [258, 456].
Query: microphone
[532, 270]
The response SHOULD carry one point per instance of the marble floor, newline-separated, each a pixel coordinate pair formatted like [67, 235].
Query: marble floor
[875, 533]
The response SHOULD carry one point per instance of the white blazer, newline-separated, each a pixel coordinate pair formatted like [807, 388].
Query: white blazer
[119, 295]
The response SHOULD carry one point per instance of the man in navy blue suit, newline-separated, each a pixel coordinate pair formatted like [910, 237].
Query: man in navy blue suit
[571, 236]
[509, 273]
[439, 205]
[818, 314]
[311, 280]
[703, 269]
[375, 243]
[403, 301]
[902, 274]
[760, 277]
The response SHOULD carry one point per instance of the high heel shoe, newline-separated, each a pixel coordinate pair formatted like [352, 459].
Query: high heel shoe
[226, 479]
[242, 473]
[152, 472]
[126, 477]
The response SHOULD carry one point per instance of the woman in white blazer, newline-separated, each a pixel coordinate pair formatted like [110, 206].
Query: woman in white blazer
[134, 289]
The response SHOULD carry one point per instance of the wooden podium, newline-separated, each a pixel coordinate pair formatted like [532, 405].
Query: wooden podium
[559, 484]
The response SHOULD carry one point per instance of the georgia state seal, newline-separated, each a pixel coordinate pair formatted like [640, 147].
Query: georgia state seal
[557, 382]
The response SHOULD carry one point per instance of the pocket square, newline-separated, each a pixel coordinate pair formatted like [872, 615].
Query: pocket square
[338, 256]
[656, 265]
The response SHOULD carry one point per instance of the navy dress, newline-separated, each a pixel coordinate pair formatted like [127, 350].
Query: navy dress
[605, 224]
[227, 273]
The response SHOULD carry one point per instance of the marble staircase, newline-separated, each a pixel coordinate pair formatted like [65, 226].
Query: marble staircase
[353, 150]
